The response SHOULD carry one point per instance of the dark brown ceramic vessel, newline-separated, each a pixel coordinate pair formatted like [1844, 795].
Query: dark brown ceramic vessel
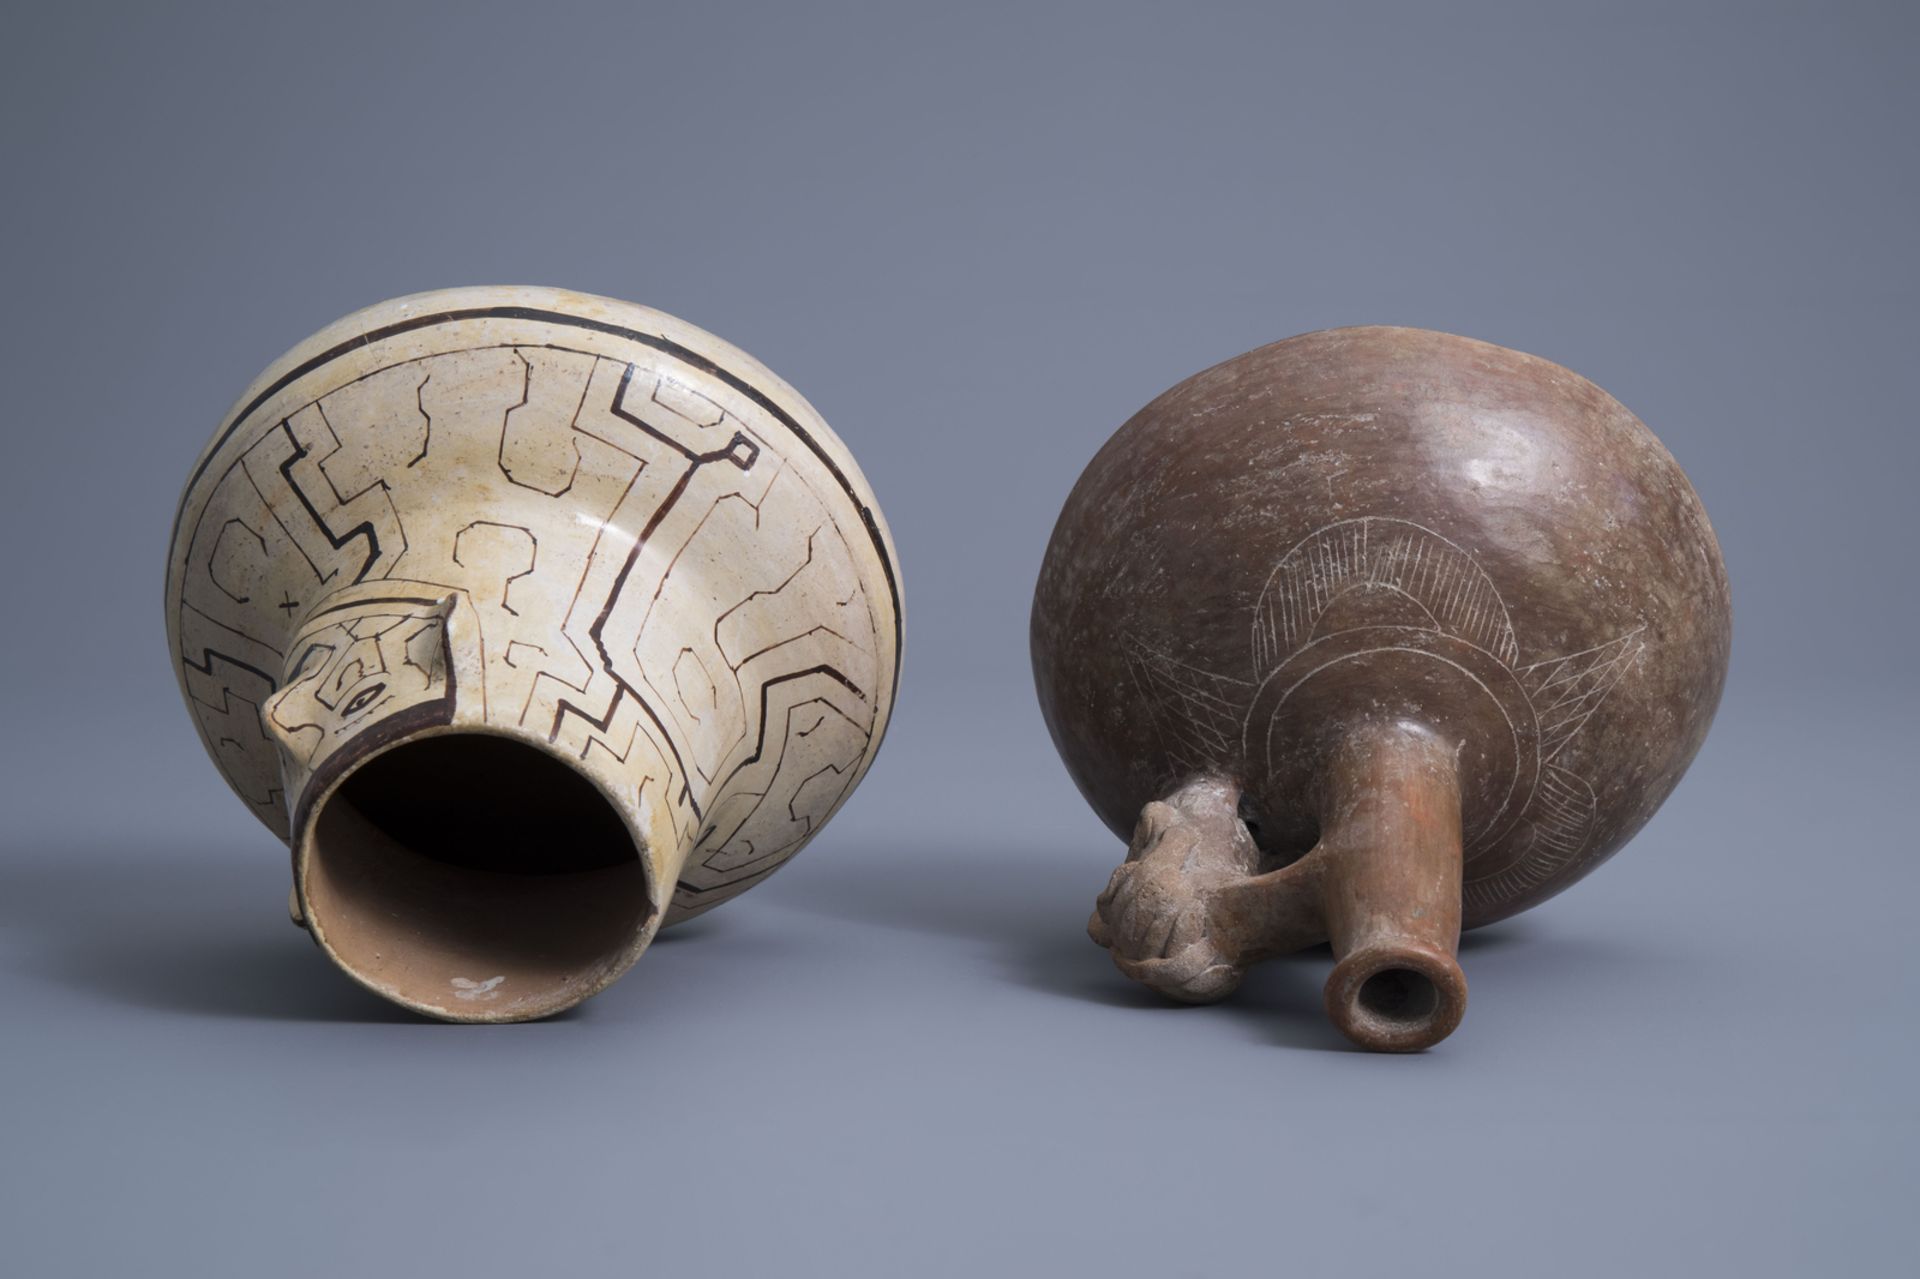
[1365, 637]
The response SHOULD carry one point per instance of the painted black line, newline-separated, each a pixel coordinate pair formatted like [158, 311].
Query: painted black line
[363, 529]
[368, 601]
[655, 341]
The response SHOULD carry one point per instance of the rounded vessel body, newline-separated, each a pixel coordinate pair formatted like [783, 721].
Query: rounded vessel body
[531, 620]
[1387, 526]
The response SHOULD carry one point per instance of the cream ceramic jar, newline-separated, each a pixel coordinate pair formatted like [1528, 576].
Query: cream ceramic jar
[532, 621]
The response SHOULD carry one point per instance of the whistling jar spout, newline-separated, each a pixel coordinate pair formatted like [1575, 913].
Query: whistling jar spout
[1369, 636]
[533, 622]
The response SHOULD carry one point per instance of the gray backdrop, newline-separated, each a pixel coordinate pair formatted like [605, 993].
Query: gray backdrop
[977, 238]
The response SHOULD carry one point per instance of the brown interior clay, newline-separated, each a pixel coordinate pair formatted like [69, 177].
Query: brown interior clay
[1396, 1002]
[474, 877]
[1399, 996]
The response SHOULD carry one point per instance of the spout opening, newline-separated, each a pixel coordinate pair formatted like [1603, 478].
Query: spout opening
[1401, 996]
[1400, 1000]
[474, 877]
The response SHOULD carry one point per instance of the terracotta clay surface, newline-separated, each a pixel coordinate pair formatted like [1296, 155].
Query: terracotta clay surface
[1364, 637]
[532, 621]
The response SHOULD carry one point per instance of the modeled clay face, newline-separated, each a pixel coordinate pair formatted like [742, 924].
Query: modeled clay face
[363, 670]
[1365, 636]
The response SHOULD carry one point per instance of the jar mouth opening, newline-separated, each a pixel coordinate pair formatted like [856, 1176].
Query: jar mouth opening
[474, 876]
[1396, 999]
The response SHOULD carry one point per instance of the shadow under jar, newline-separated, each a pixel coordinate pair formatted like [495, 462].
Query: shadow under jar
[1365, 637]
